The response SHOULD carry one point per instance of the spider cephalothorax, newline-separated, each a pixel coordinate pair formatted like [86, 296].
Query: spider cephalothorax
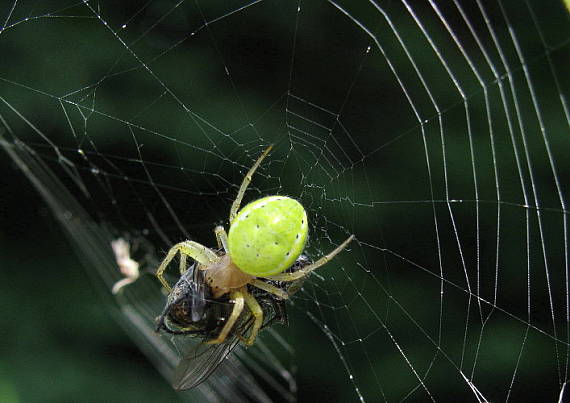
[266, 239]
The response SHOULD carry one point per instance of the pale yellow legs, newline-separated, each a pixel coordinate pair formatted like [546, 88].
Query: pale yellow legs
[245, 183]
[240, 297]
[307, 269]
[237, 297]
[257, 313]
[269, 288]
[199, 253]
[221, 238]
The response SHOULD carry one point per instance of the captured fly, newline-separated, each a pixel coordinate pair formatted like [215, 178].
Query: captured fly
[191, 311]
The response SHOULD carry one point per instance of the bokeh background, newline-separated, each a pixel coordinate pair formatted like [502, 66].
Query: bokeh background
[435, 132]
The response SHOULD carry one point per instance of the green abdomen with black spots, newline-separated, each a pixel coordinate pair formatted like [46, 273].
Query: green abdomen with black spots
[268, 235]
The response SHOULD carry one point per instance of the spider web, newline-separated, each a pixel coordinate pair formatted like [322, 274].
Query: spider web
[437, 133]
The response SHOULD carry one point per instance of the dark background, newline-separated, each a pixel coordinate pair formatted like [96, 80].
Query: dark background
[59, 342]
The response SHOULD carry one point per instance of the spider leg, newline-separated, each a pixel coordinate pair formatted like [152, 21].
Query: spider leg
[307, 269]
[257, 313]
[182, 265]
[238, 298]
[198, 252]
[222, 238]
[269, 288]
[245, 184]
[295, 286]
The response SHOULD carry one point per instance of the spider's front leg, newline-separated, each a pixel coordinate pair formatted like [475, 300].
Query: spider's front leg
[238, 297]
[196, 251]
[245, 184]
[257, 313]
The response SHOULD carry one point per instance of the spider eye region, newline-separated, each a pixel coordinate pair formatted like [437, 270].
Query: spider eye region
[268, 235]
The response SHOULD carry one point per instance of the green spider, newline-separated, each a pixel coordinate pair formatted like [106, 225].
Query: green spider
[265, 238]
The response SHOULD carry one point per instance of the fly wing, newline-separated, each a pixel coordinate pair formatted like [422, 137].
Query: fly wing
[200, 362]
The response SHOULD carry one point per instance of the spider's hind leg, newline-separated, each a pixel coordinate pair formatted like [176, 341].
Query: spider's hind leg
[307, 269]
[269, 288]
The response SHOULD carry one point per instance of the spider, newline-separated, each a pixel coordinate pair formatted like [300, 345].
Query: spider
[265, 238]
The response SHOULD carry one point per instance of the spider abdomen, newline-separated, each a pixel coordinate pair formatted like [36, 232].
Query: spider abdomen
[268, 235]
